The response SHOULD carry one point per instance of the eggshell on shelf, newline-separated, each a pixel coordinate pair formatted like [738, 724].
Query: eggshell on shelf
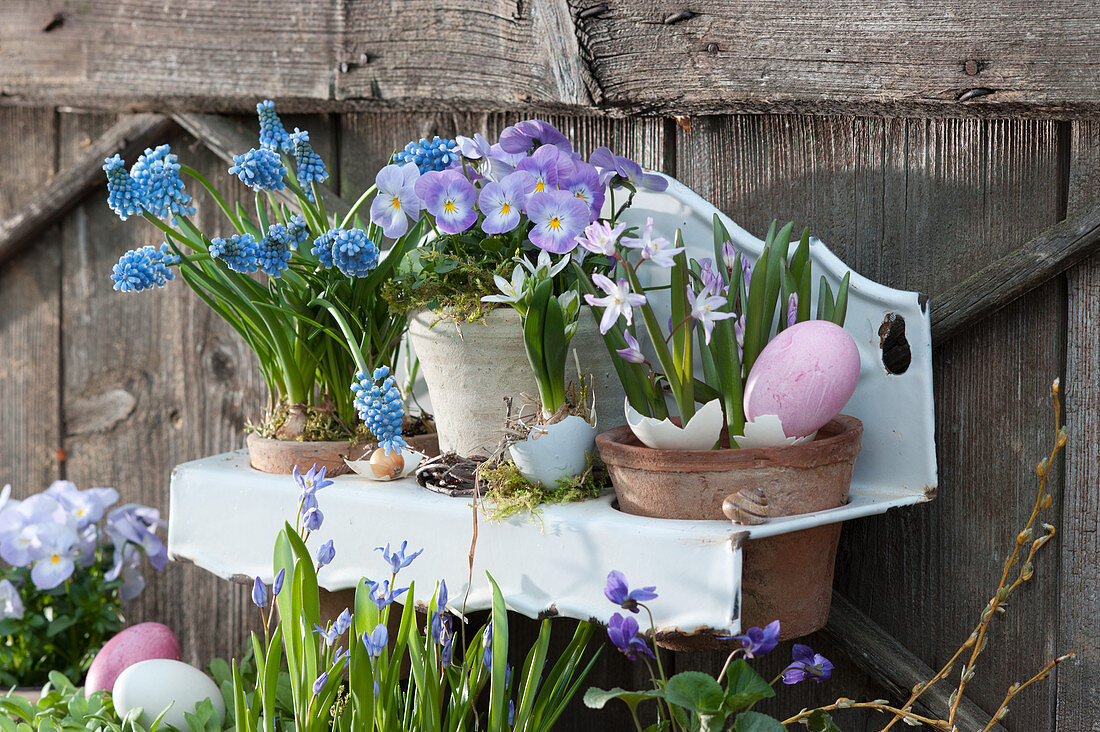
[700, 433]
[162, 684]
[140, 642]
[804, 376]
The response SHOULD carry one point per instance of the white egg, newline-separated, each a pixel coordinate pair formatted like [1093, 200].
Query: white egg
[160, 684]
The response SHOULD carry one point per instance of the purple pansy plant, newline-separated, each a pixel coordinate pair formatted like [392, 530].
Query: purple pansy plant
[558, 217]
[449, 197]
[397, 202]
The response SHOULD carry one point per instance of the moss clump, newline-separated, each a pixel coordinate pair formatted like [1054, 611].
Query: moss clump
[505, 492]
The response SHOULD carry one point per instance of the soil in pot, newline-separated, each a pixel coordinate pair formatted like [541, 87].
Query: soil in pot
[788, 577]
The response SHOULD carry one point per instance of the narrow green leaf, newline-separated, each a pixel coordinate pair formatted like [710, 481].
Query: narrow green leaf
[840, 311]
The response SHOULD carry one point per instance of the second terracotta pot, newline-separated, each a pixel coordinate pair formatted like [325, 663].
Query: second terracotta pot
[281, 456]
[788, 577]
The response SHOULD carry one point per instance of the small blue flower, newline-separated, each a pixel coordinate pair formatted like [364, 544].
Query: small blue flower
[344, 653]
[807, 665]
[312, 519]
[343, 622]
[380, 408]
[260, 169]
[353, 253]
[298, 230]
[620, 593]
[157, 175]
[398, 561]
[381, 594]
[259, 594]
[322, 248]
[326, 554]
[273, 252]
[758, 641]
[124, 196]
[329, 634]
[377, 641]
[272, 133]
[144, 269]
[308, 164]
[623, 632]
[438, 154]
[277, 586]
[487, 644]
[319, 684]
[238, 252]
[312, 481]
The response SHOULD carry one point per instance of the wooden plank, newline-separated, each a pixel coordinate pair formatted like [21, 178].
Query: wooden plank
[128, 138]
[1078, 705]
[163, 383]
[630, 56]
[894, 666]
[920, 204]
[30, 313]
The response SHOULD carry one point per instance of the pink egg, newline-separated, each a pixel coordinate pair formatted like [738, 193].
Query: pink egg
[805, 376]
[141, 642]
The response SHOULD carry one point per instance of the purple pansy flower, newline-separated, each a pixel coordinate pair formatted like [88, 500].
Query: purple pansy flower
[396, 202]
[549, 167]
[632, 353]
[558, 216]
[620, 301]
[807, 665]
[585, 184]
[620, 593]
[502, 203]
[758, 641]
[520, 137]
[449, 197]
[623, 632]
[474, 148]
[625, 170]
[138, 524]
[52, 549]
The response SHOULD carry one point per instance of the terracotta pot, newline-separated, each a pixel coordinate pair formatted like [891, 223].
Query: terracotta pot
[789, 577]
[470, 367]
[280, 456]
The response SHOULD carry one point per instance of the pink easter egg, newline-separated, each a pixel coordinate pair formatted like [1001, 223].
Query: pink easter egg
[141, 642]
[805, 376]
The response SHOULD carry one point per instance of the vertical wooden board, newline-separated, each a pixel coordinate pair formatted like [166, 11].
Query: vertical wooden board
[1078, 699]
[152, 380]
[30, 312]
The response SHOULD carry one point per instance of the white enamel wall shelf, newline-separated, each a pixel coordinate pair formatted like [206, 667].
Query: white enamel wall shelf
[224, 515]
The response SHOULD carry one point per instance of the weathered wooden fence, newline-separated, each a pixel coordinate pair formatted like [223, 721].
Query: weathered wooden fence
[921, 142]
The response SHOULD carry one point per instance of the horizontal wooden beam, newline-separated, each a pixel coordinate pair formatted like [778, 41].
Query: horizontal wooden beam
[128, 138]
[1017, 273]
[939, 57]
[895, 667]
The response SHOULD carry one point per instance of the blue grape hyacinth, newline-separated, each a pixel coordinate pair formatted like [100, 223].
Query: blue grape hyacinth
[144, 268]
[238, 252]
[379, 403]
[272, 253]
[260, 169]
[322, 247]
[123, 195]
[298, 230]
[353, 253]
[157, 175]
[437, 154]
[308, 164]
[273, 135]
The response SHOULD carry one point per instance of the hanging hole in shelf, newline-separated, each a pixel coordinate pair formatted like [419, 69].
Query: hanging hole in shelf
[896, 355]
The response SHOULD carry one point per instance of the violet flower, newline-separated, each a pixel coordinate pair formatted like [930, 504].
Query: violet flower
[449, 197]
[502, 203]
[585, 184]
[807, 665]
[656, 249]
[548, 166]
[522, 136]
[11, 605]
[558, 216]
[633, 354]
[617, 591]
[397, 560]
[620, 301]
[758, 641]
[624, 171]
[396, 202]
[704, 309]
[623, 632]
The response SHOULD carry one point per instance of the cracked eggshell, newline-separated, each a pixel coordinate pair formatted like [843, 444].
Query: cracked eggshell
[412, 462]
[700, 433]
[555, 451]
[804, 376]
[767, 431]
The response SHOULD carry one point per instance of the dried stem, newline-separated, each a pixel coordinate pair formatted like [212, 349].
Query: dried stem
[1017, 688]
[878, 706]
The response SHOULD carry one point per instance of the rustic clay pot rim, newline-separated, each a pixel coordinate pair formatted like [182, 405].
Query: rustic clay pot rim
[254, 437]
[622, 447]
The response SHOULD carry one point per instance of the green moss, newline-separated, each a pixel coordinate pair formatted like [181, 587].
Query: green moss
[506, 492]
[321, 426]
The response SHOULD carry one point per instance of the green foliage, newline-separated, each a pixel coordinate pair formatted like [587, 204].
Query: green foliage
[61, 629]
[508, 492]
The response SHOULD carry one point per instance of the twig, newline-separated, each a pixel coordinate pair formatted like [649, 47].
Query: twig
[1017, 688]
[879, 706]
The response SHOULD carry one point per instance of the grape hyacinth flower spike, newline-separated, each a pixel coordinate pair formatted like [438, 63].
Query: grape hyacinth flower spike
[309, 168]
[143, 269]
[435, 154]
[260, 169]
[273, 135]
[379, 403]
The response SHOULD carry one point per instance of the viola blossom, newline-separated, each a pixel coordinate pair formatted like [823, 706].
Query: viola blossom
[326, 554]
[473, 148]
[397, 560]
[558, 217]
[377, 641]
[617, 591]
[758, 641]
[449, 197]
[704, 310]
[52, 551]
[510, 292]
[620, 301]
[126, 565]
[143, 269]
[522, 136]
[381, 594]
[656, 249]
[396, 203]
[584, 183]
[600, 238]
[807, 665]
[273, 135]
[11, 605]
[260, 169]
[792, 309]
[137, 525]
[632, 352]
[549, 167]
[623, 632]
[620, 171]
[309, 168]
[502, 203]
